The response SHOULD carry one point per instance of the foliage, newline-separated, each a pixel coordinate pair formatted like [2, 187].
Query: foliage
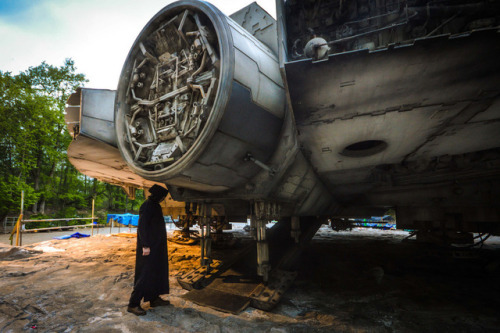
[33, 142]
[10, 190]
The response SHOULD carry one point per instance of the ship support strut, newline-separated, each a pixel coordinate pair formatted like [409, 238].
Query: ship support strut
[263, 213]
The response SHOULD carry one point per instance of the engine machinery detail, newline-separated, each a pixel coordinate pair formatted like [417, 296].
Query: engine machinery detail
[171, 89]
[318, 28]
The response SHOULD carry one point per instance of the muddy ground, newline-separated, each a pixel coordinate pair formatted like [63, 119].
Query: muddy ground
[359, 281]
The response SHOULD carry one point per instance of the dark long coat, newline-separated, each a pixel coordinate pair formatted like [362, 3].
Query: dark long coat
[151, 271]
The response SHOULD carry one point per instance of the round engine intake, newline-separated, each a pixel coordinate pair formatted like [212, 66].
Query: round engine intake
[197, 93]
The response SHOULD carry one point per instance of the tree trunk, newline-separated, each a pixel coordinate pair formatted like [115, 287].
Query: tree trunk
[41, 207]
[94, 191]
[36, 179]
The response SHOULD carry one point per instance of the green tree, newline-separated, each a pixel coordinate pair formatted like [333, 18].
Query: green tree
[55, 84]
[33, 143]
[33, 135]
[18, 110]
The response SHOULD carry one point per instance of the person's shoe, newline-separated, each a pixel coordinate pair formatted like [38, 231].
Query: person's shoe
[158, 302]
[137, 310]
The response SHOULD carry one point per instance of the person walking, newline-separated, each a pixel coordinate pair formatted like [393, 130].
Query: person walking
[151, 258]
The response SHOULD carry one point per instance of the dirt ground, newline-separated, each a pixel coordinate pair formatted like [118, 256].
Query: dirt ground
[361, 281]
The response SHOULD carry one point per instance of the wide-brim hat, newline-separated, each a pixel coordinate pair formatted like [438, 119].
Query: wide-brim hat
[158, 191]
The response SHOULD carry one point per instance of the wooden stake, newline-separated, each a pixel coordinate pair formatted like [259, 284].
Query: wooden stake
[93, 217]
[16, 230]
[18, 224]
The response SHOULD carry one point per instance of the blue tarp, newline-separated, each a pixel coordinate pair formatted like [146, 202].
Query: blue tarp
[79, 235]
[63, 237]
[125, 219]
[75, 235]
[384, 226]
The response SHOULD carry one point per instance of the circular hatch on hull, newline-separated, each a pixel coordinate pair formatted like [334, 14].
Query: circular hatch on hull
[364, 148]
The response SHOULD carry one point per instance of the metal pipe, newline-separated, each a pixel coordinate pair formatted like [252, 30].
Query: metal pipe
[129, 137]
[176, 72]
[183, 20]
[390, 26]
[443, 24]
[143, 62]
[183, 126]
[204, 40]
[200, 88]
[159, 99]
[135, 114]
[180, 144]
[374, 17]
[164, 129]
[181, 25]
[250, 157]
[154, 83]
[209, 92]
[172, 20]
[153, 129]
[176, 102]
[202, 65]
[192, 128]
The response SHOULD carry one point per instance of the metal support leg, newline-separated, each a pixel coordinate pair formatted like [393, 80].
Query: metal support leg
[263, 266]
[185, 232]
[253, 228]
[206, 239]
[263, 212]
[295, 233]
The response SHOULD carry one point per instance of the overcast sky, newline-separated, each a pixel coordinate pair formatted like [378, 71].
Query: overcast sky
[96, 34]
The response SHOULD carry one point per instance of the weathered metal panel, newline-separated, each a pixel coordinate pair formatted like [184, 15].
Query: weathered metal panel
[254, 19]
[408, 97]
[97, 115]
